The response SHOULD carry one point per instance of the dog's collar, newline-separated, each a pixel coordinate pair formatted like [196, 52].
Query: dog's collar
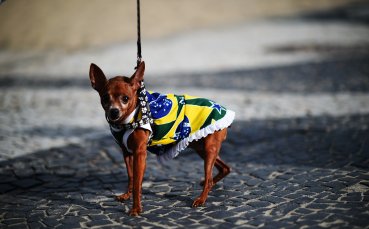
[132, 122]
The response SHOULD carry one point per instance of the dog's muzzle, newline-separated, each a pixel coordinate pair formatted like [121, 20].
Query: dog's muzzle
[113, 114]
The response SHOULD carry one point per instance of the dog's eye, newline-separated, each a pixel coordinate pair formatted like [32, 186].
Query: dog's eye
[125, 99]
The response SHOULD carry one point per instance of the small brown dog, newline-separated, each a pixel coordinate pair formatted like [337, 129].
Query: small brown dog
[178, 122]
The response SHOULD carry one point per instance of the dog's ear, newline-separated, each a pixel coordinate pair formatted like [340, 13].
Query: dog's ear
[97, 78]
[138, 76]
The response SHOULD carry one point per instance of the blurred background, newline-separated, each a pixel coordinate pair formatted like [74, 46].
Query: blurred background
[70, 26]
[61, 38]
[264, 59]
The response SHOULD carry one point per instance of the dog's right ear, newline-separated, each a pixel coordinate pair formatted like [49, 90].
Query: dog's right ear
[138, 76]
[97, 78]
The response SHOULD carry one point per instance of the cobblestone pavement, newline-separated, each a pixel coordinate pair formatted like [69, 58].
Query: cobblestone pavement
[308, 172]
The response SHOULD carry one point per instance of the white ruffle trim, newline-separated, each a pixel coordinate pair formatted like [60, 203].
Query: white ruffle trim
[221, 124]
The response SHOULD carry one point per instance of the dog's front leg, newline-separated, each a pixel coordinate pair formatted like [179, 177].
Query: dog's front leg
[138, 143]
[128, 159]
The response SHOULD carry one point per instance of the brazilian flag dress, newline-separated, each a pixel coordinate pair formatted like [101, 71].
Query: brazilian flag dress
[178, 120]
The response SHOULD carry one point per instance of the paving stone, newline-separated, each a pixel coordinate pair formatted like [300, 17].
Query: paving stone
[26, 183]
[325, 201]
[50, 222]
[184, 221]
[336, 185]
[317, 206]
[99, 222]
[253, 182]
[13, 221]
[15, 214]
[319, 216]
[208, 221]
[356, 196]
[34, 225]
[7, 178]
[66, 226]
[6, 188]
[18, 225]
[284, 208]
[225, 225]
[303, 211]
[258, 204]
[174, 215]
[56, 210]
[323, 194]
[98, 217]
[277, 224]
[222, 214]
[303, 200]
[281, 193]
[75, 220]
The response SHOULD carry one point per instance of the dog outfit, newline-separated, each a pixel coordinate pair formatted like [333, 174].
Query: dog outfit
[178, 120]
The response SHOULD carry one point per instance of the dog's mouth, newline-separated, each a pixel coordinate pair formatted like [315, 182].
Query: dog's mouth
[115, 121]
[113, 114]
[119, 118]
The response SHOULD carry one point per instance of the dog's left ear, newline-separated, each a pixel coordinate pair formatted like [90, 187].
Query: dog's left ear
[138, 76]
[97, 78]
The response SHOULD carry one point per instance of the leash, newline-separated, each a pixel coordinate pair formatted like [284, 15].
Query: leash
[142, 94]
[143, 102]
[139, 55]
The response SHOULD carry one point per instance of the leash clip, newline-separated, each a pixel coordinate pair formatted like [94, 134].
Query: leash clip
[139, 60]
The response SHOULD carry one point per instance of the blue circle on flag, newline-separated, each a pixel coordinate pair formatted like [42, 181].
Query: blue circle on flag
[183, 130]
[160, 105]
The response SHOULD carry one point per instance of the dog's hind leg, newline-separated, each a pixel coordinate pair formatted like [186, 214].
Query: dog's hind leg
[209, 161]
[223, 169]
[211, 147]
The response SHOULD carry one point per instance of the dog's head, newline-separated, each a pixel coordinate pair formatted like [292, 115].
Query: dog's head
[118, 95]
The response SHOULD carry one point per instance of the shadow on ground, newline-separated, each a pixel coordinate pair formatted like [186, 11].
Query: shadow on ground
[355, 12]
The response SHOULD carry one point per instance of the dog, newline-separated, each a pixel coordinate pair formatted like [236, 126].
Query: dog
[177, 122]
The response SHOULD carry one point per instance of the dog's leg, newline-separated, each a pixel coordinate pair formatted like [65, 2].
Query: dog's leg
[212, 145]
[222, 167]
[223, 170]
[138, 143]
[210, 157]
[128, 159]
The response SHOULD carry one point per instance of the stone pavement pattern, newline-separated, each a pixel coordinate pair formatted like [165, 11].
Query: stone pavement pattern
[290, 172]
[310, 172]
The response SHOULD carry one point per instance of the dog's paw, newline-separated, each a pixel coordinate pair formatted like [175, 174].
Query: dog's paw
[123, 197]
[198, 202]
[135, 212]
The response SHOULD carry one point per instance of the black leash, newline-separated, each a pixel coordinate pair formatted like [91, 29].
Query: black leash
[146, 116]
[139, 55]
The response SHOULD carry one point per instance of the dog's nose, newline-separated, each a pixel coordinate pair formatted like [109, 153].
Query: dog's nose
[113, 114]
